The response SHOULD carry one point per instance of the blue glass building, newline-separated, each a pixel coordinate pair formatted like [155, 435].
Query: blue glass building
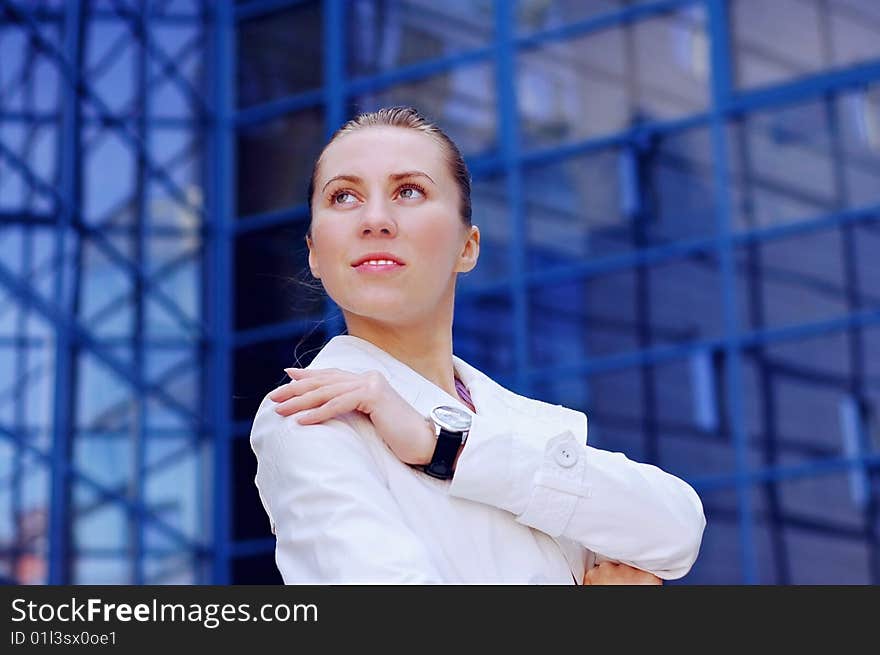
[678, 202]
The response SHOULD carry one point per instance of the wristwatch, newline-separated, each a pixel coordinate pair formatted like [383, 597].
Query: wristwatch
[451, 426]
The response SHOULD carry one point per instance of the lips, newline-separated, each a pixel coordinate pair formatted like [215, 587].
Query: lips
[378, 259]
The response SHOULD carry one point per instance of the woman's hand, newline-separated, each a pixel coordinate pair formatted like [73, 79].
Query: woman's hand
[326, 393]
[620, 574]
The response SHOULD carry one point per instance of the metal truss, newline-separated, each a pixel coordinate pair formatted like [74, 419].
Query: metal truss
[727, 106]
[162, 537]
[198, 342]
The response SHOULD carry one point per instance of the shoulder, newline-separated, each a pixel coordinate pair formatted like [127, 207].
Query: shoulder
[343, 443]
[349, 354]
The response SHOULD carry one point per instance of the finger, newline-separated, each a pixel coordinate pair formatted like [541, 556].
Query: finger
[337, 405]
[293, 388]
[317, 396]
[299, 373]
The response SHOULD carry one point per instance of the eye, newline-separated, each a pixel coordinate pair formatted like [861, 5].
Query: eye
[411, 192]
[336, 195]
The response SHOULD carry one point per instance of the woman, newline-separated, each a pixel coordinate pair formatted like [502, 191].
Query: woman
[350, 468]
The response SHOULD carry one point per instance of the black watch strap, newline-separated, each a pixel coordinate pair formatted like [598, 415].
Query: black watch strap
[443, 461]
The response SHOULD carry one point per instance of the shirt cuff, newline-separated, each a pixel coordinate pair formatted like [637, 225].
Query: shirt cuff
[534, 470]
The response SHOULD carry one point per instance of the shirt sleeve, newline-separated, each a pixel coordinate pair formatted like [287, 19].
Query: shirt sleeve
[551, 480]
[333, 516]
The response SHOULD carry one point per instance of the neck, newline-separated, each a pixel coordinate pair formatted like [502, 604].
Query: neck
[426, 347]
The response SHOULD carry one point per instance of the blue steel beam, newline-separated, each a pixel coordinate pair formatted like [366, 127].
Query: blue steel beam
[51, 118]
[509, 142]
[65, 372]
[140, 236]
[141, 512]
[256, 8]
[84, 339]
[421, 70]
[335, 53]
[113, 51]
[99, 239]
[829, 466]
[138, 27]
[684, 248]
[52, 15]
[69, 73]
[145, 286]
[220, 300]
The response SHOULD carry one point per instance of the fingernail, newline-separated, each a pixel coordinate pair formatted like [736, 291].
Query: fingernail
[290, 371]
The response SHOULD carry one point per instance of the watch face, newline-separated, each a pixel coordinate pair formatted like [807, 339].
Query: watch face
[452, 418]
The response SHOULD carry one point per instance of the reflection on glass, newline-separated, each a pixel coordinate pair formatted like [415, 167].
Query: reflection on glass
[490, 211]
[786, 39]
[462, 102]
[794, 280]
[386, 35]
[275, 161]
[279, 53]
[273, 282]
[602, 82]
[537, 15]
[483, 332]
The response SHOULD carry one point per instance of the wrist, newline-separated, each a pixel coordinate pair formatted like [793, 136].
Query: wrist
[428, 443]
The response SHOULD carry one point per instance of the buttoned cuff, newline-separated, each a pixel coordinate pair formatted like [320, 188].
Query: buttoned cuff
[557, 486]
[534, 470]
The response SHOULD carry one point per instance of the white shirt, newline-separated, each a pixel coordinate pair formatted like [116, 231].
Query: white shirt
[530, 501]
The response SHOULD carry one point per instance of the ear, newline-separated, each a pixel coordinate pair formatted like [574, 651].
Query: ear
[470, 253]
[313, 262]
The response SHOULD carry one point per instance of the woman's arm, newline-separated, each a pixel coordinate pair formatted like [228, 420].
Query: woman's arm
[547, 477]
[334, 519]
[628, 511]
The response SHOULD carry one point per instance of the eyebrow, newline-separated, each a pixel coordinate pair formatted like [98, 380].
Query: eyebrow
[393, 177]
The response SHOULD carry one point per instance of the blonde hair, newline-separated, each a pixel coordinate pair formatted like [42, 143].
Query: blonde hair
[407, 117]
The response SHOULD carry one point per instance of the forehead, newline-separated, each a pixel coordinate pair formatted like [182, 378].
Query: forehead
[380, 150]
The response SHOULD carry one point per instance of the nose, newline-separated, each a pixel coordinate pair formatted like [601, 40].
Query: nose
[377, 219]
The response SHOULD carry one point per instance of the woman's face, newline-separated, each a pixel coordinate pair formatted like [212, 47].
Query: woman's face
[389, 190]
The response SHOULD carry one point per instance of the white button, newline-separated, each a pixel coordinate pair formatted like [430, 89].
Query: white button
[566, 455]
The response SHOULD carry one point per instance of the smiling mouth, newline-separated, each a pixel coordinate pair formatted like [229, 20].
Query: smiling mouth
[378, 266]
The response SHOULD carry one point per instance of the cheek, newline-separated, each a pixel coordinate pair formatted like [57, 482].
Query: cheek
[326, 241]
[438, 242]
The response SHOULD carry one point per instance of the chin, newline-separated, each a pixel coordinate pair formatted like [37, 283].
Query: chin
[381, 309]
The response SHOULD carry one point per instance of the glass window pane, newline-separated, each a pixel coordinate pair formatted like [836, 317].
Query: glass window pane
[172, 489]
[462, 102]
[574, 210]
[259, 368]
[275, 161]
[490, 212]
[483, 332]
[383, 36]
[256, 569]
[794, 280]
[782, 40]
[175, 568]
[280, 53]
[858, 128]
[619, 200]
[249, 519]
[109, 178]
[536, 15]
[94, 570]
[782, 166]
[775, 41]
[99, 524]
[606, 81]
[628, 310]
[273, 282]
